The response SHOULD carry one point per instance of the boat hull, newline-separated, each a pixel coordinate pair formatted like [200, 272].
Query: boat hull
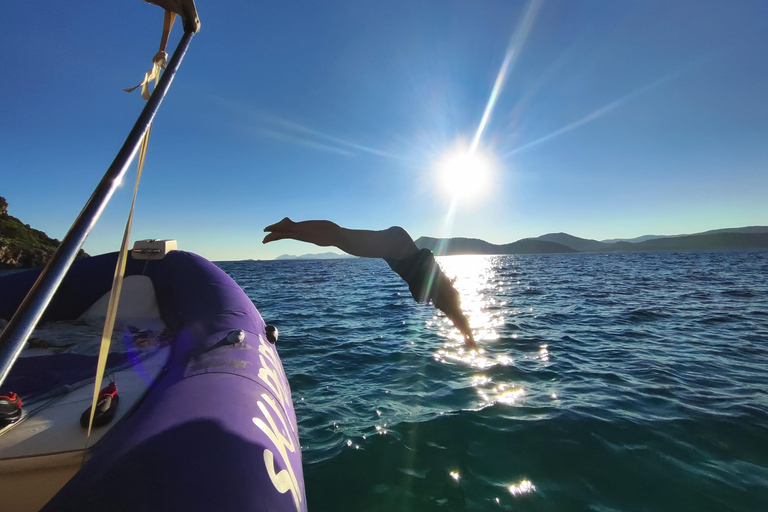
[217, 429]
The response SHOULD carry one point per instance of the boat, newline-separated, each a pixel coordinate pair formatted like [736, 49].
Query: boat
[189, 410]
[205, 422]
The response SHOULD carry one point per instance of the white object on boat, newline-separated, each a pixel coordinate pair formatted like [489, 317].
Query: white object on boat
[152, 249]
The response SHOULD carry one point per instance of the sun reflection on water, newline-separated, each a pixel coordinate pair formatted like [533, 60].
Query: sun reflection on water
[474, 358]
[485, 303]
[477, 282]
[508, 394]
[524, 487]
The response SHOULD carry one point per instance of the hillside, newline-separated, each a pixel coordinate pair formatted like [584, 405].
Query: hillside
[753, 237]
[574, 242]
[746, 230]
[22, 246]
[719, 240]
[446, 246]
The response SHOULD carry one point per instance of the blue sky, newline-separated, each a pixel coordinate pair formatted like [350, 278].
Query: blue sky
[613, 119]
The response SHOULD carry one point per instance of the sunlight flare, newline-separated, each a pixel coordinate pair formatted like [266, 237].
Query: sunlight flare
[513, 50]
[596, 114]
[464, 174]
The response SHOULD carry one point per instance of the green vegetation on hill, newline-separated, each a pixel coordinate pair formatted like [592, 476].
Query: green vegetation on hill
[22, 246]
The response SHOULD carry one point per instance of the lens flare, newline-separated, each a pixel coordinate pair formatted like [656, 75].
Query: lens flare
[464, 174]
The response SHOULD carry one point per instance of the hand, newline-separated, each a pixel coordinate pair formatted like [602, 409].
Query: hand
[447, 300]
[462, 324]
[185, 8]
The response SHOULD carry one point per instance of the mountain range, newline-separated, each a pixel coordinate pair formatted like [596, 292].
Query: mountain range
[751, 237]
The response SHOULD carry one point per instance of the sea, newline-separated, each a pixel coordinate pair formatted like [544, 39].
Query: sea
[603, 382]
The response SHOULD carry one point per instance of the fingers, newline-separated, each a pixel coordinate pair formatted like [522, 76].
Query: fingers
[447, 301]
[462, 324]
[466, 330]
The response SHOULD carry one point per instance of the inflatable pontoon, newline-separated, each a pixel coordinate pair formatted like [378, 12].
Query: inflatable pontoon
[199, 415]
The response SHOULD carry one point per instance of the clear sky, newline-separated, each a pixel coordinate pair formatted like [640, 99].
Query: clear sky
[602, 119]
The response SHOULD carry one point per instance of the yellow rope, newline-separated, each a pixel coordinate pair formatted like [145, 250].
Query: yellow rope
[117, 282]
[159, 61]
[117, 285]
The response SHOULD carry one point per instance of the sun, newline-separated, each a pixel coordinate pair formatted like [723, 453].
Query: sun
[464, 174]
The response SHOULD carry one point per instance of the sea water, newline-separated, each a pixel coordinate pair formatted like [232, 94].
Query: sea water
[626, 382]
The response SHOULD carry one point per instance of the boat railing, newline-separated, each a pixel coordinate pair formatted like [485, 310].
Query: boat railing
[30, 311]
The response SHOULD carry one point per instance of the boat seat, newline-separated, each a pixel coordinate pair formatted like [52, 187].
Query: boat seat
[137, 306]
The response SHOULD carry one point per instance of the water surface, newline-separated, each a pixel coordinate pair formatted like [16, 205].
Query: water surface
[630, 381]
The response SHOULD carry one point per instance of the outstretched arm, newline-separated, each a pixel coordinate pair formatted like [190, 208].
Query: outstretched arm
[394, 242]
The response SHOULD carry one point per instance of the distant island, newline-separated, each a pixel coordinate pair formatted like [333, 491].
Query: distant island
[22, 246]
[752, 237]
[315, 256]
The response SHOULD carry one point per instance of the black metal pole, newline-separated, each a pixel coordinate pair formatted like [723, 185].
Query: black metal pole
[31, 309]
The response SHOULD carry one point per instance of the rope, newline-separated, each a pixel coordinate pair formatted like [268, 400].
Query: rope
[117, 285]
[159, 61]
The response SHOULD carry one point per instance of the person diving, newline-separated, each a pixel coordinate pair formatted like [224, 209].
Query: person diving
[418, 268]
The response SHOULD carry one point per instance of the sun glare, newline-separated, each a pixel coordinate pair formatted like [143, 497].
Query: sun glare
[464, 174]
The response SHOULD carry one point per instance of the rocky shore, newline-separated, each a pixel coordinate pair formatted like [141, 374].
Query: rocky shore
[22, 246]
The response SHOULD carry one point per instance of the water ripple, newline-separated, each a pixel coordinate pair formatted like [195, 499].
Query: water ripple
[633, 381]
